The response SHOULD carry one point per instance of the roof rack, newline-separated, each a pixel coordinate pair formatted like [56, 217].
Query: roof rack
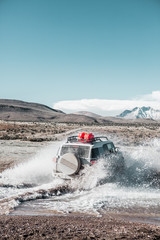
[95, 139]
[100, 138]
[72, 139]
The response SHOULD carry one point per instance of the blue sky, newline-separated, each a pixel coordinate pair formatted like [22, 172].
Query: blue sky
[62, 52]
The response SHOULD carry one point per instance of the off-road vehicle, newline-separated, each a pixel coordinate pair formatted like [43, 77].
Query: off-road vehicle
[82, 150]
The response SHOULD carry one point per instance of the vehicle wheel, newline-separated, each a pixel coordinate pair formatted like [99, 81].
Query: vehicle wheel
[69, 164]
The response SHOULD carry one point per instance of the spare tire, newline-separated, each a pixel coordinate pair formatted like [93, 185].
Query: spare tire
[69, 164]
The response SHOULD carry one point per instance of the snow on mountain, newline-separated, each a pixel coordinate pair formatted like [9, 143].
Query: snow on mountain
[141, 113]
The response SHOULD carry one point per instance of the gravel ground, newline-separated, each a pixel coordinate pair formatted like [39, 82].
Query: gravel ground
[74, 227]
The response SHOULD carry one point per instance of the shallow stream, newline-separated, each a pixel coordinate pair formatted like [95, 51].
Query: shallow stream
[30, 189]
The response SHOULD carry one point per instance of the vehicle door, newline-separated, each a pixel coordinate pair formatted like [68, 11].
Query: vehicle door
[95, 155]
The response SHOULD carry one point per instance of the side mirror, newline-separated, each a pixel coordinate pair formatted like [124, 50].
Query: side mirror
[116, 150]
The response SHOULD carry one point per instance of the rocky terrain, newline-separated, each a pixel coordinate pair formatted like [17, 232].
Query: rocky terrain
[32, 131]
[47, 131]
[75, 228]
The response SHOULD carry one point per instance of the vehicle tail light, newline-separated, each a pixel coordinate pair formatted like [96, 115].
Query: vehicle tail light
[93, 162]
[54, 159]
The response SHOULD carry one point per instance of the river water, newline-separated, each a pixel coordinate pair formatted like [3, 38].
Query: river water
[29, 188]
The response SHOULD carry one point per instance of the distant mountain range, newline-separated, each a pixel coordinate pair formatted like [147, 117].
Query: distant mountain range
[135, 113]
[15, 110]
[141, 113]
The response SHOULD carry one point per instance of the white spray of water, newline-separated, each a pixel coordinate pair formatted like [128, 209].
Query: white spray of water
[90, 176]
[108, 197]
[148, 153]
[36, 171]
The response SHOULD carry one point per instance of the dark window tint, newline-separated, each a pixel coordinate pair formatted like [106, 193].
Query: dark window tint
[95, 153]
[105, 148]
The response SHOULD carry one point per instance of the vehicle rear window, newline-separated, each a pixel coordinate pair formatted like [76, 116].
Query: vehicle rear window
[80, 151]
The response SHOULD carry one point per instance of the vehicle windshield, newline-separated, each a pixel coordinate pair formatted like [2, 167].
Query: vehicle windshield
[80, 151]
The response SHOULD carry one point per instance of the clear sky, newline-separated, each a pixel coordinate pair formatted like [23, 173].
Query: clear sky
[55, 51]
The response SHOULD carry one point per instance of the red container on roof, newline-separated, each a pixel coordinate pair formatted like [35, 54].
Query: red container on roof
[81, 136]
[88, 137]
[85, 137]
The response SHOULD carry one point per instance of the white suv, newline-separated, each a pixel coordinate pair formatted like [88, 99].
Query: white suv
[85, 149]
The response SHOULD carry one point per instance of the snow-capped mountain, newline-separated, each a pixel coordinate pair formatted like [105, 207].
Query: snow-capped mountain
[141, 113]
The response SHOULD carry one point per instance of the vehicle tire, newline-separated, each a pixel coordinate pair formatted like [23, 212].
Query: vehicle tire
[69, 164]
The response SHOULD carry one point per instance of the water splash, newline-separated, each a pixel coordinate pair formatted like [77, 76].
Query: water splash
[92, 191]
[35, 171]
[143, 164]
